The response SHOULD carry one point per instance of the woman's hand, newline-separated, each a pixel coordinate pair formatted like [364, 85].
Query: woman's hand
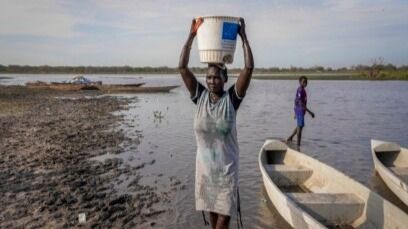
[241, 31]
[195, 24]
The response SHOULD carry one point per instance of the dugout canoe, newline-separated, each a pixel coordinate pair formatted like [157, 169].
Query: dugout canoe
[37, 85]
[143, 89]
[71, 86]
[77, 86]
[391, 163]
[119, 86]
[309, 194]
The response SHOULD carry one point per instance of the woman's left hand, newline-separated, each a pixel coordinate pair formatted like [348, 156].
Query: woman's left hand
[241, 31]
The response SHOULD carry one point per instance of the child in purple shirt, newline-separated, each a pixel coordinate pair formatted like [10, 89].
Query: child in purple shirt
[300, 110]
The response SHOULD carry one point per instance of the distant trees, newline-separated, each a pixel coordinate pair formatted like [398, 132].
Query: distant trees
[371, 71]
[403, 68]
[3, 68]
[375, 68]
[45, 69]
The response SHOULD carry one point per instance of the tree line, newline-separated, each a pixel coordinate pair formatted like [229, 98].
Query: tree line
[45, 69]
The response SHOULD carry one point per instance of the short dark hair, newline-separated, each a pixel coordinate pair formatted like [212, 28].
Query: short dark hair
[302, 78]
[223, 70]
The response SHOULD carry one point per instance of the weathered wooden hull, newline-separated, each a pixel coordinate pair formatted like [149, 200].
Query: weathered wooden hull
[65, 86]
[388, 158]
[119, 86]
[159, 89]
[37, 86]
[329, 197]
[77, 87]
[109, 88]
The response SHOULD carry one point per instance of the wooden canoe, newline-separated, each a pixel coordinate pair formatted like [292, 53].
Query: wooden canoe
[309, 194]
[61, 86]
[118, 86]
[72, 86]
[143, 89]
[391, 163]
[37, 85]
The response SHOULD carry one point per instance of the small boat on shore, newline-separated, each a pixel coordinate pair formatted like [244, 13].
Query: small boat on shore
[105, 87]
[72, 86]
[391, 163]
[77, 86]
[309, 194]
[126, 89]
[81, 83]
[37, 85]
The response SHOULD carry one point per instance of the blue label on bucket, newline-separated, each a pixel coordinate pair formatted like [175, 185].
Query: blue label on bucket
[229, 31]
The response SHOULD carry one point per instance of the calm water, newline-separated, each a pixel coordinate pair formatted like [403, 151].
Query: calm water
[348, 115]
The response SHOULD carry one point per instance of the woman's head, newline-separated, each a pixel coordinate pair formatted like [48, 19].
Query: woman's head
[216, 77]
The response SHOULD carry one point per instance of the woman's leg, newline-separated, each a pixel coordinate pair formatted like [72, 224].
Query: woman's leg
[213, 219]
[223, 221]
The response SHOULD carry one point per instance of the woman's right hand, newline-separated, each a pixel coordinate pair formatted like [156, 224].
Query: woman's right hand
[195, 24]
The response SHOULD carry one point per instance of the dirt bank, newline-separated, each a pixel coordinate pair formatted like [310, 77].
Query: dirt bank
[47, 178]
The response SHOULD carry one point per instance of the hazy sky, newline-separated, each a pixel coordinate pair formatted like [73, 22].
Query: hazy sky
[152, 32]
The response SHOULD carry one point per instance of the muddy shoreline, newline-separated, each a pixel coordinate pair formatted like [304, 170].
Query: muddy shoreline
[47, 175]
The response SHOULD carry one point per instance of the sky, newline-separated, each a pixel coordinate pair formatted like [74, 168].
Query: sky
[281, 33]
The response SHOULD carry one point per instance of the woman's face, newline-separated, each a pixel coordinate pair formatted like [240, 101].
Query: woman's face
[214, 81]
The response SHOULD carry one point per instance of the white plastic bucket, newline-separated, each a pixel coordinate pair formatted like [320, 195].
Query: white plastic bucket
[217, 39]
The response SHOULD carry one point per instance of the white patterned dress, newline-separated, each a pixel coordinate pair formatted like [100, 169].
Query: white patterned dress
[217, 156]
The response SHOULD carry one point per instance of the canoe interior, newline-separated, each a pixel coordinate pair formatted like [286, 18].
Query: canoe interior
[294, 189]
[395, 160]
[275, 156]
[283, 179]
[307, 192]
[300, 183]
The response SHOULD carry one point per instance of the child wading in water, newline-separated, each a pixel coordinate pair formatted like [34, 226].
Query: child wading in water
[300, 110]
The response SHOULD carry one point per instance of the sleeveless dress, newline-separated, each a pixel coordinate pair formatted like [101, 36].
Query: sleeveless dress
[217, 158]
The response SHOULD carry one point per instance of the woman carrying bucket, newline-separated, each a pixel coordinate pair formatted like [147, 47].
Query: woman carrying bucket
[217, 159]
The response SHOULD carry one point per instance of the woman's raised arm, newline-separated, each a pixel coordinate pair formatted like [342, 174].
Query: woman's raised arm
[188, 77]
[245, 76]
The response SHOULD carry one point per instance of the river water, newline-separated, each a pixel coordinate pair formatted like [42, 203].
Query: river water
[348, 115]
